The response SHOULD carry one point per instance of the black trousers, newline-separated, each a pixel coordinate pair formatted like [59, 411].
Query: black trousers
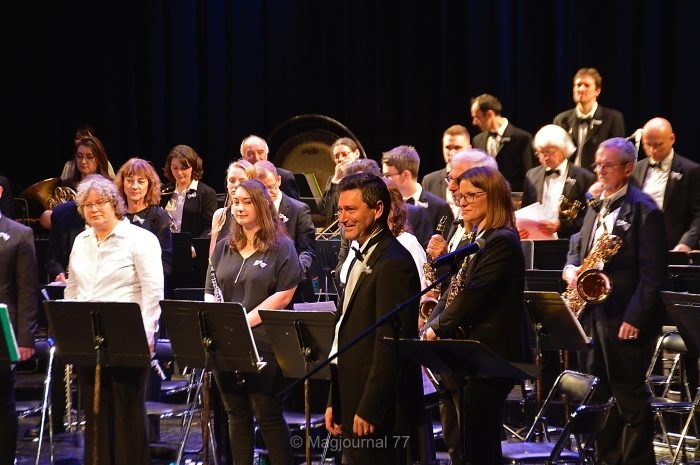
[621, 366]
[250, 398]
[8, 417]
[122, 427]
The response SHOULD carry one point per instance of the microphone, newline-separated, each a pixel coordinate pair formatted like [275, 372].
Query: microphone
[460, 253]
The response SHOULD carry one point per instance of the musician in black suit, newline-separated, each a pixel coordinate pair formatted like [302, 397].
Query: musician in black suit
[485, 303]
[401, 164]
[510, 145]
[624, 327]
[296, 218]
[673, 182]
[254, 148]
[454, 139]
[19, 291]
[556, 177]
[190, 202]
[589, 123]
[375, 393]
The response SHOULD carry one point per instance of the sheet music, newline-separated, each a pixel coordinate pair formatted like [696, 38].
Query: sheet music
[326, 306]
[529, 217]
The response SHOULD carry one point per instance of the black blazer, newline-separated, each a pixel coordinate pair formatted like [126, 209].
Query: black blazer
[578, 180]
[637, 270]
[288, 183]
[435, 183]
[515, 155]
[19, 281]
[367, 375]
[296, 217]
[606, 123]
[490, 307]
[198, 210]
[681, 200]
[436, 208]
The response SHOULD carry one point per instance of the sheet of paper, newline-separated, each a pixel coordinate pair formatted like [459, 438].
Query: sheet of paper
[528, 218]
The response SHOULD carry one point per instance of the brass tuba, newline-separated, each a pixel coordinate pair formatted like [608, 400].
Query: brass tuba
[48, 193]
[592, 285]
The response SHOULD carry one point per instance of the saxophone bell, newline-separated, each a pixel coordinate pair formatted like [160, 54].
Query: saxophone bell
[594, 286]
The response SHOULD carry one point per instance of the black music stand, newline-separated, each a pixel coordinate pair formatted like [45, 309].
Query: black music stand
[301, 340]
[210, 336]
[556, 327]
[471, 358]
[98, 334]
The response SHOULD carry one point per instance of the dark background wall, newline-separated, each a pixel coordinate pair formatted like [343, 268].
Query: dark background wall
[150, 74]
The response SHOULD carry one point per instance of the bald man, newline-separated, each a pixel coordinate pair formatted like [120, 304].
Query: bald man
[673, 182]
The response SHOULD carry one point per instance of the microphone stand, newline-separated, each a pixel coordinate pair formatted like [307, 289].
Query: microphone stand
[394, 312]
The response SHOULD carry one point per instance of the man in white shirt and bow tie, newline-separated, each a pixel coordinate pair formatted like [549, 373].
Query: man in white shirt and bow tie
[673, 182]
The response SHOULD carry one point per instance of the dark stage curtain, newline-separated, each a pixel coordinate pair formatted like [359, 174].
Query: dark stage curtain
[150, 74]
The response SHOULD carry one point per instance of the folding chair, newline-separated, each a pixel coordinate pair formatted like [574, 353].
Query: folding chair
[575, 441]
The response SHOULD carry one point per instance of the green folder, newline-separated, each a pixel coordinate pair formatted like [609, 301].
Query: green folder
[8, 334]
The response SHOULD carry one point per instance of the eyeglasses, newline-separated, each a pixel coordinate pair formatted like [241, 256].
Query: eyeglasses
[84, 157]
[99, 204]
[547, 153]
[389, 175]
[449, 179]
[469, 198]
[273, 188]
[605, 166]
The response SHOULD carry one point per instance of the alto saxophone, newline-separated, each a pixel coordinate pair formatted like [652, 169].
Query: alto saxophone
[428, 304]
[592, 285]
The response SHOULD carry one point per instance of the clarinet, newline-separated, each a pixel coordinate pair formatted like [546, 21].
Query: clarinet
[218, 295]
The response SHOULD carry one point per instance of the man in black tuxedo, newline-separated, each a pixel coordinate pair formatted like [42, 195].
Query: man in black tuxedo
[625, 327]
[254, 148]
[296, 217]
[454, 139]
[673, 182]
[19, 290]
[556, 177]
[510, 145]
[402, 164]
[375, 394]
[589, 123]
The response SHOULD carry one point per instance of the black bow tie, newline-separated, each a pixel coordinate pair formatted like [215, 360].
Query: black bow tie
[548, 172]
[410, 201]
[656, 166]
[584, 120]
[493, 134]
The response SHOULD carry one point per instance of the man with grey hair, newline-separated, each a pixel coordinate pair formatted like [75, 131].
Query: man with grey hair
[458, 236]
[555, 178]
[625, 325]
[254, 148]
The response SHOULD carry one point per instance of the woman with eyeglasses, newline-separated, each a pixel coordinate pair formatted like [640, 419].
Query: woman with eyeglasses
[114, 260]
[343, 152]
[484, 302]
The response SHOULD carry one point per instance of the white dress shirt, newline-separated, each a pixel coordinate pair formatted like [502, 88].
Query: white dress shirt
[125, 267]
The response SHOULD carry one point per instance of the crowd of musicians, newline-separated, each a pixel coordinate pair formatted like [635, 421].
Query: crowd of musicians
[111, 239]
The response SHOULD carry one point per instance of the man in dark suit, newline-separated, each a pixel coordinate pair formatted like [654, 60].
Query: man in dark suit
[556, 177]
[19, 291]
[296, 217]
[401, 164]
[589, 123]
[626, 325]
[673, 182]
[510, 145]
[454, 139]
[254, 148]
[375, 394]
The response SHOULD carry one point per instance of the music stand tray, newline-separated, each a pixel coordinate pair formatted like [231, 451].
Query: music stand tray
[469, 357]
[76, 326]
[211, 335]
[292, 332]
[557, 328]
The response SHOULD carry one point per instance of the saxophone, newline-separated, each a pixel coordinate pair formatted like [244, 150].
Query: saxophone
[428, 304]
[592, 285]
